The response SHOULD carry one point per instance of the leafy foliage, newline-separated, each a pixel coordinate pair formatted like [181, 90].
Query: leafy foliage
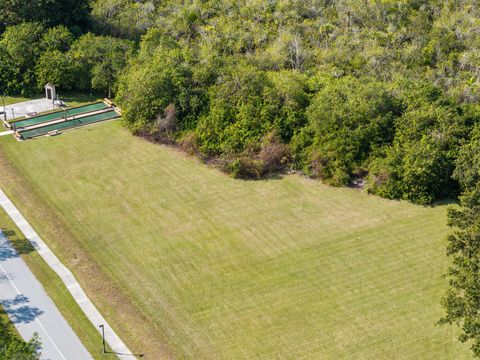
[71, 13]
[461, 300]
[14, 347]
[54, 67]
[20, 46]
[34, 56]
[349, 119]
[380, 90]
[348, 88]
[122, 18]
[419, 164]
[98, 60]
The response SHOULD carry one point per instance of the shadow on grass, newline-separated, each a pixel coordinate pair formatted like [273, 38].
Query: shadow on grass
[123, 354]
[14, 247]
[76, 97]
[443, 202]
[267, 177]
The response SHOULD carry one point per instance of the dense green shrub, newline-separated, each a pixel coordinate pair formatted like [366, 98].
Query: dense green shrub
[20, 46]
[98, 61]
[163, 80]
[33, 56]
[72, 13]
[420, 163]
[12, 346]
[349, 120]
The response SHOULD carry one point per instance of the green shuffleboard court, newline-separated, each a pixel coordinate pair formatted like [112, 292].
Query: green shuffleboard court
[69, 124]
[57, 115]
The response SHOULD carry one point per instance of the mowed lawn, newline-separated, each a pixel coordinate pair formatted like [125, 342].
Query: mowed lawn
[229, 269]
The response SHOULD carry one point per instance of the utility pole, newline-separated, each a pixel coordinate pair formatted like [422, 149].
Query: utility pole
[4, 111]
[103, 338]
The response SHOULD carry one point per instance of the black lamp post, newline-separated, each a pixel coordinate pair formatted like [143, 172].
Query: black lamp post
[103, 338]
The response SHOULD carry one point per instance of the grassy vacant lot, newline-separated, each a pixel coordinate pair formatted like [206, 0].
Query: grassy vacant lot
[188, 263]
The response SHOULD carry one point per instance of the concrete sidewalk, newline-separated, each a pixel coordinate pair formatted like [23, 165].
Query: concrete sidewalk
[23, 108]
[5, 133]
[32, 311]
[113, 340]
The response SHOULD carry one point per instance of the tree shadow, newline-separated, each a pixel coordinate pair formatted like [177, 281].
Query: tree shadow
[4, 277]
[7, 252]
[19, 299]
[24, 314]
[123, 354]
[272, 176]
[18, 310]
[23, 246]
[443, 202]
[13, 248]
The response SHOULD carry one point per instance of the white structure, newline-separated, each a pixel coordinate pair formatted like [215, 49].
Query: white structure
[50, 92]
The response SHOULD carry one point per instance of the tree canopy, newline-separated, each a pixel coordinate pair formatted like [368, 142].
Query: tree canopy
[384, 91]
[71, 13]
[461, 300]
[12, 346]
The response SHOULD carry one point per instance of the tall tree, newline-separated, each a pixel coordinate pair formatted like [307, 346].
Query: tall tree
[348, 120]
[99, 60]
[72, 13]
[20, 46]
[461, 301]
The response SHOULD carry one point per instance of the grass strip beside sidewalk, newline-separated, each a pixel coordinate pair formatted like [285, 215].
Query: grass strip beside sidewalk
[55, 289]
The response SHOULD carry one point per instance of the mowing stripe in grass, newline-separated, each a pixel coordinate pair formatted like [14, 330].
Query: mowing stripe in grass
[218, 268]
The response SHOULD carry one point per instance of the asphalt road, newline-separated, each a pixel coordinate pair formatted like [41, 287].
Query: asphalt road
[31, 310]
